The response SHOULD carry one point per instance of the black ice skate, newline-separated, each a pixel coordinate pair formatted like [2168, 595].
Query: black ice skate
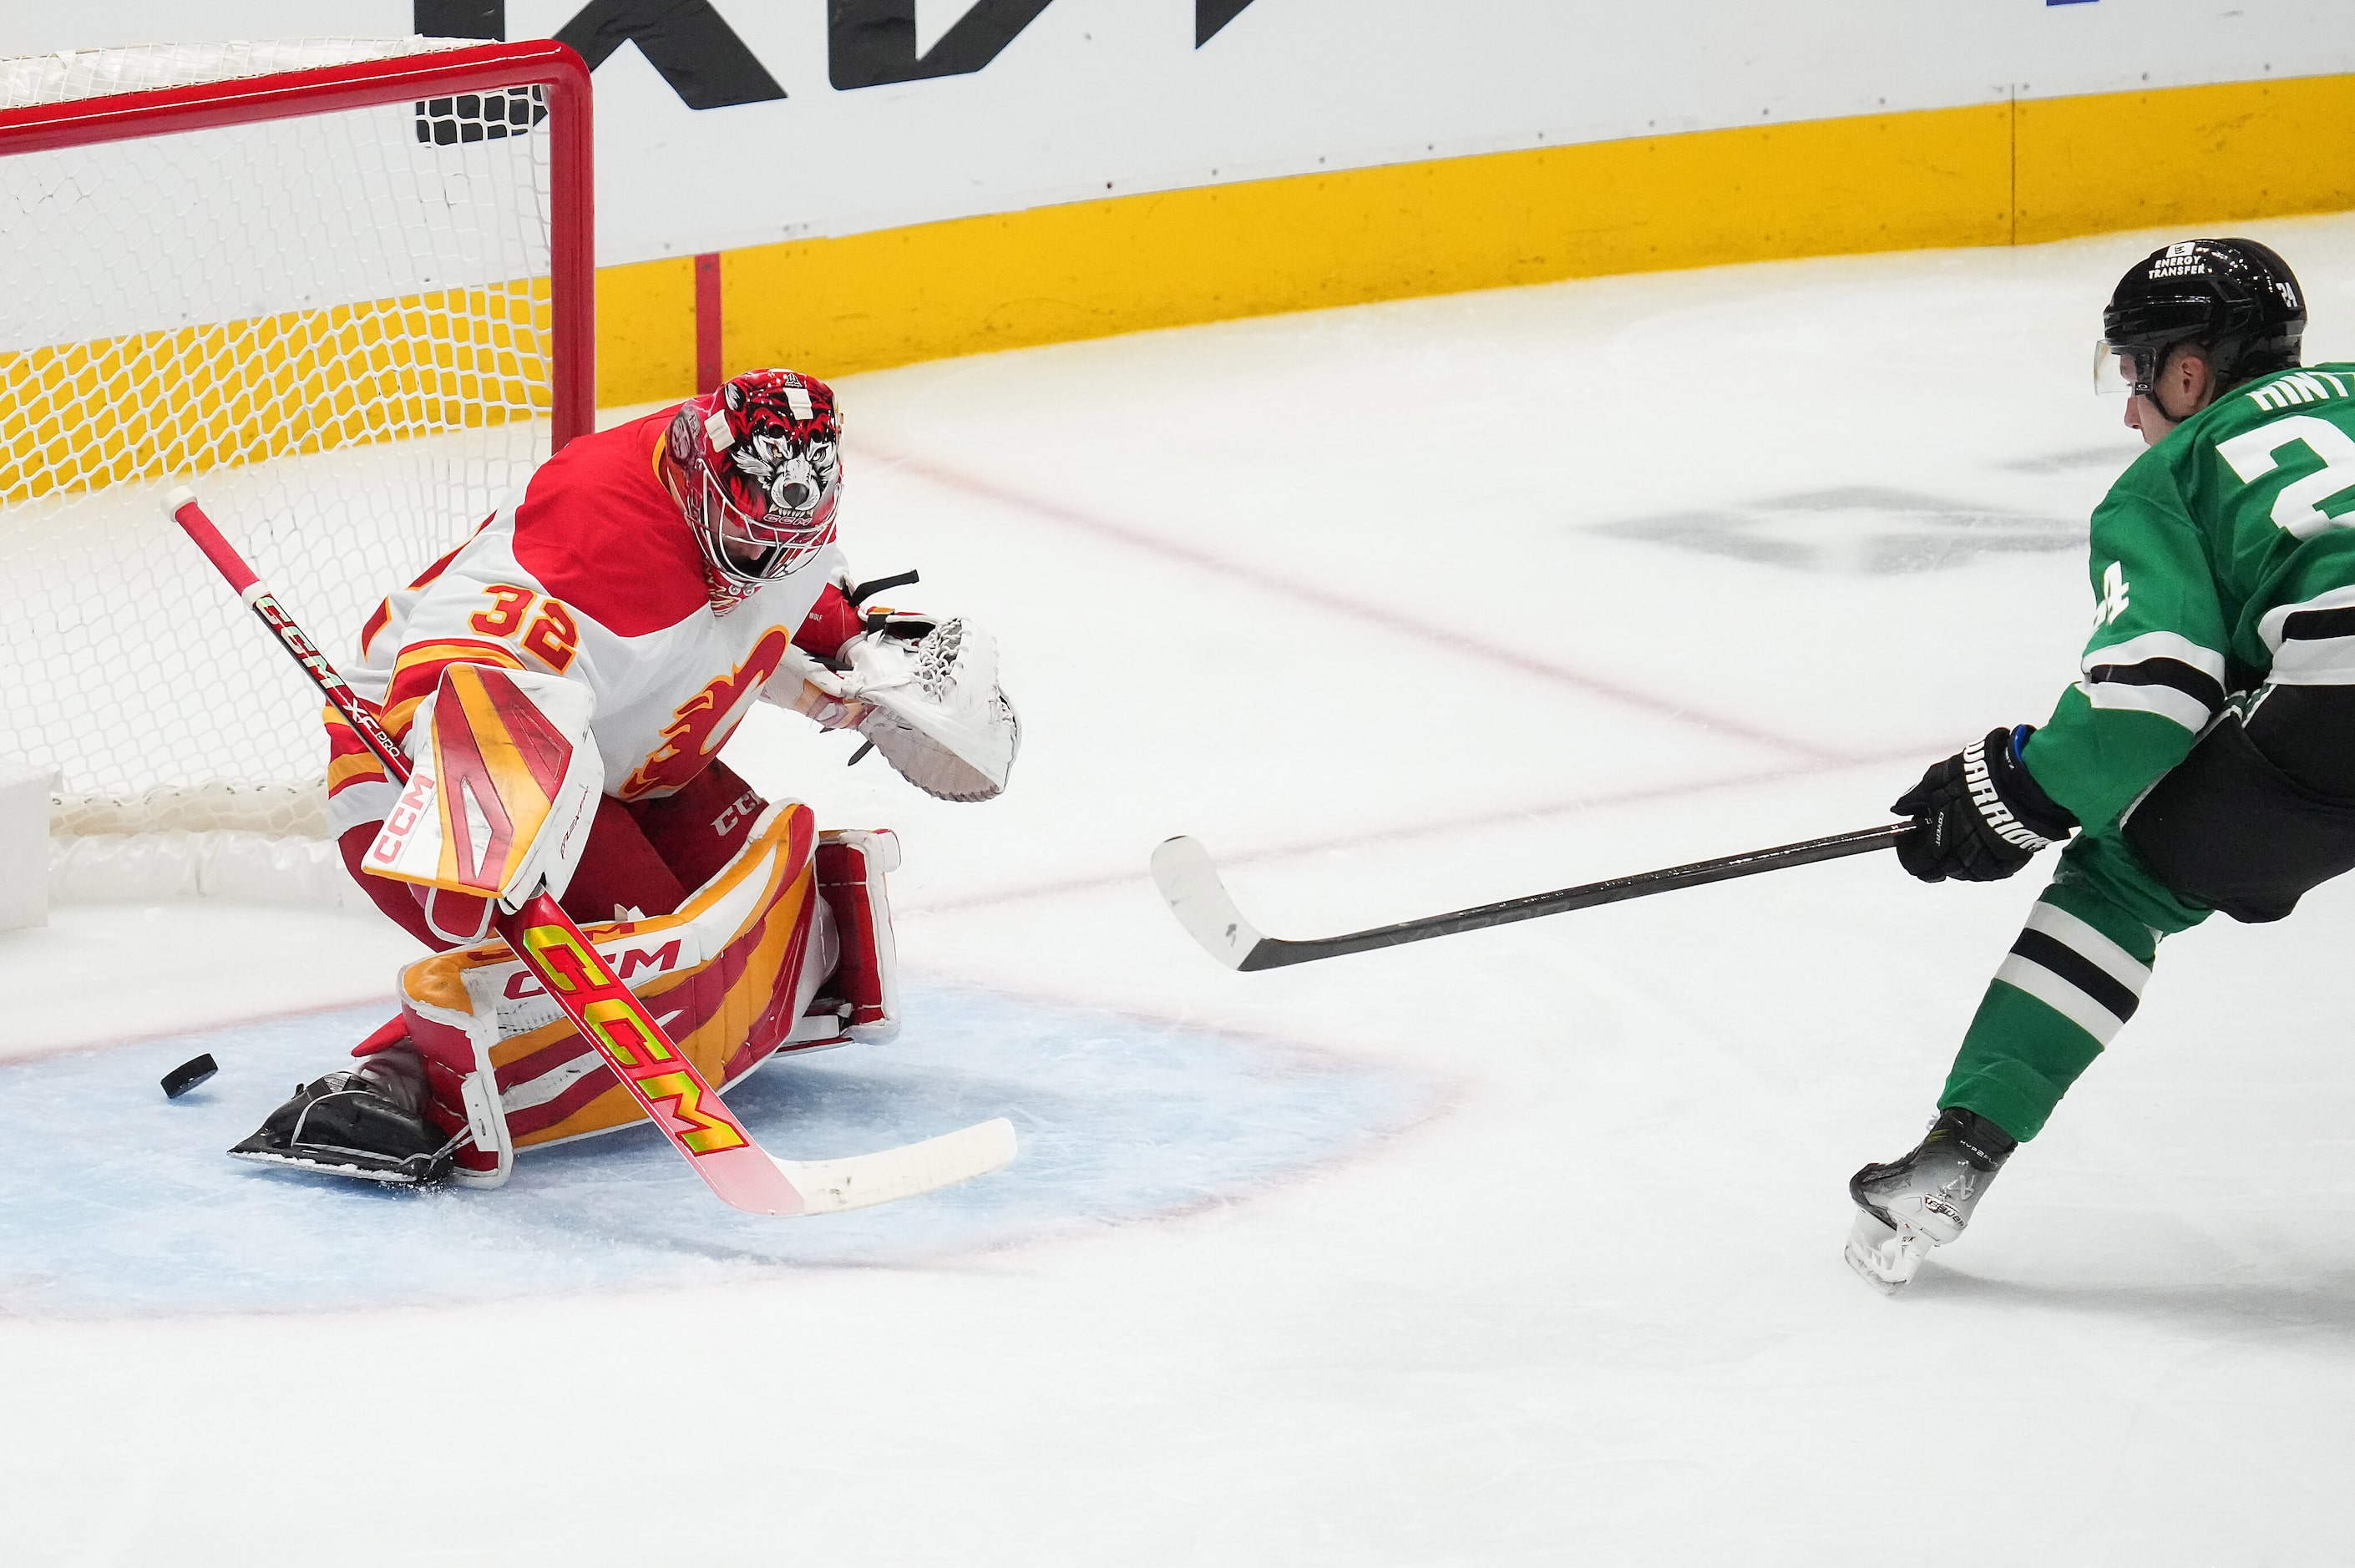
[347, 1125]
[1907, 1207]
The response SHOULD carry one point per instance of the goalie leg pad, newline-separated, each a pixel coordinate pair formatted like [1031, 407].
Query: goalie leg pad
[728, 977]
[851, 864]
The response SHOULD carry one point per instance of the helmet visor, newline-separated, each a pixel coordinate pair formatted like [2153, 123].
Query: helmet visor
[2119, 369]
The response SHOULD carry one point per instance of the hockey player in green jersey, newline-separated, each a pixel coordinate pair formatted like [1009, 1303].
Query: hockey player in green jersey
[2205, 758]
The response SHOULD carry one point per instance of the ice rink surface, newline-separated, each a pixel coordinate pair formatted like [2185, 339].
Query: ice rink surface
[1515, 1247]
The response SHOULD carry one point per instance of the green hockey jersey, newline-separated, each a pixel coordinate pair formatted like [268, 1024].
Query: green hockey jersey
[2223, 557]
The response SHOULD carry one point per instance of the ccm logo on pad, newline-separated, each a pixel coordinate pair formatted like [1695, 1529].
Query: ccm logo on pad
[415, 803]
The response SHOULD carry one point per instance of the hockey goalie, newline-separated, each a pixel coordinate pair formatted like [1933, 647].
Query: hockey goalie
[562, 684]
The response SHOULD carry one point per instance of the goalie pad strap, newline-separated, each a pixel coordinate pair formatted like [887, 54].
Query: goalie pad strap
[851, 864]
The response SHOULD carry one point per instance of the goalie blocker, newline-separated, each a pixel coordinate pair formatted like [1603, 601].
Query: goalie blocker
[500, 799]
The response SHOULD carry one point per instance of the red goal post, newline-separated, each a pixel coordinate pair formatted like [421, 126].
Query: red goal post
[351, 301]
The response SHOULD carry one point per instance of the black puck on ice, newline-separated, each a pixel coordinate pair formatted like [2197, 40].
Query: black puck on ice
[189, 1074]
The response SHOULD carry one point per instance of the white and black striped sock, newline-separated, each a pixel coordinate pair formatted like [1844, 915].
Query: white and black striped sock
[2076, 971]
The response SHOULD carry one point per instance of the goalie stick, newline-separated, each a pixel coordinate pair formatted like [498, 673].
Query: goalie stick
[674, 1095]
[1182, 870]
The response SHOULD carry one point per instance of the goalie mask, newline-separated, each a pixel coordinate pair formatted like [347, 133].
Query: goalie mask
[761, 461]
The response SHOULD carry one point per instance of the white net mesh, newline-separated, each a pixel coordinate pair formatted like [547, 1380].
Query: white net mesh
[334, 326]
[75, 74]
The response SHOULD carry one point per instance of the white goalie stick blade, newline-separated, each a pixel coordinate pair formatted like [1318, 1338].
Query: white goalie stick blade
[1190, 885]
[861, 1181]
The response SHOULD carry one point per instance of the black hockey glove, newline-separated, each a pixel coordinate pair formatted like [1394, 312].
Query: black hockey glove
[1979, 816]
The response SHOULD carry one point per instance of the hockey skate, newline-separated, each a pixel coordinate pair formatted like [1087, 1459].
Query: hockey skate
[352, 1124]
[1925, 1200]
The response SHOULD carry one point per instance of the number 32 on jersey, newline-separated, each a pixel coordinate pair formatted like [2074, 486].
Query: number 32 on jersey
[552, 635]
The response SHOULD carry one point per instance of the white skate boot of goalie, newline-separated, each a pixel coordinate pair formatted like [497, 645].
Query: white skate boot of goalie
[1925, 1200]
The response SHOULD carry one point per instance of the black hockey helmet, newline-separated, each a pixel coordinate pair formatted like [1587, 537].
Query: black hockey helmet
[2234, 297]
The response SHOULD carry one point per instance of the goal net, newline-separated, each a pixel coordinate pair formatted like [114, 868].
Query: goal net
[338, 286]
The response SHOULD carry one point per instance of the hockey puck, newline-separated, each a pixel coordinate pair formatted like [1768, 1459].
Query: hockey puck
[189, 1074]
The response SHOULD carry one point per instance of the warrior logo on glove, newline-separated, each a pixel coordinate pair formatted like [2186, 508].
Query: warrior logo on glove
[762, 460]
[1979, 815]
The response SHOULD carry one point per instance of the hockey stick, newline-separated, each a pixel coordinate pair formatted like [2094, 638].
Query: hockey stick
[674, 1095]
[1182, 870]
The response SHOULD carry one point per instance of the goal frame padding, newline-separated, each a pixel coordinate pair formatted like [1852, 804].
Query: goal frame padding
[367, 84]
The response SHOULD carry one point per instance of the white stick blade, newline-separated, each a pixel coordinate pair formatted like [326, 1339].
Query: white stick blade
[861, 1180]
[1182, 870]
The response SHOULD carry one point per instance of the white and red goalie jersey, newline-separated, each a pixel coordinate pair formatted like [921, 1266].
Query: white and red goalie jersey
[563, 682]
[592, 574]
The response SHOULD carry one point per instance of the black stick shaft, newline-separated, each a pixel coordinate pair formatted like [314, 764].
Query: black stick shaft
[1274, 952]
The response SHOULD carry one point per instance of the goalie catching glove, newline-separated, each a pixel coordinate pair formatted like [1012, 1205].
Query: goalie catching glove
[930, 703]
[505, 787]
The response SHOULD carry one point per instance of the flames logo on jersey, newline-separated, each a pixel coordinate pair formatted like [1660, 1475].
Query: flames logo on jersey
[763, 459]
[700, 725]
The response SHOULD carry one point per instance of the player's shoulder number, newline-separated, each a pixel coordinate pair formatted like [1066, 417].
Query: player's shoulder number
[2254, 455]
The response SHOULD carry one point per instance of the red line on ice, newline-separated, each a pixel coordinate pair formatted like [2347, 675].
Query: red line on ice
[1450, 639]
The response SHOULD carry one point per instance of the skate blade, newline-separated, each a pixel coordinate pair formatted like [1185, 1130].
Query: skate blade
[1882, 1256]
[392, 1178]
